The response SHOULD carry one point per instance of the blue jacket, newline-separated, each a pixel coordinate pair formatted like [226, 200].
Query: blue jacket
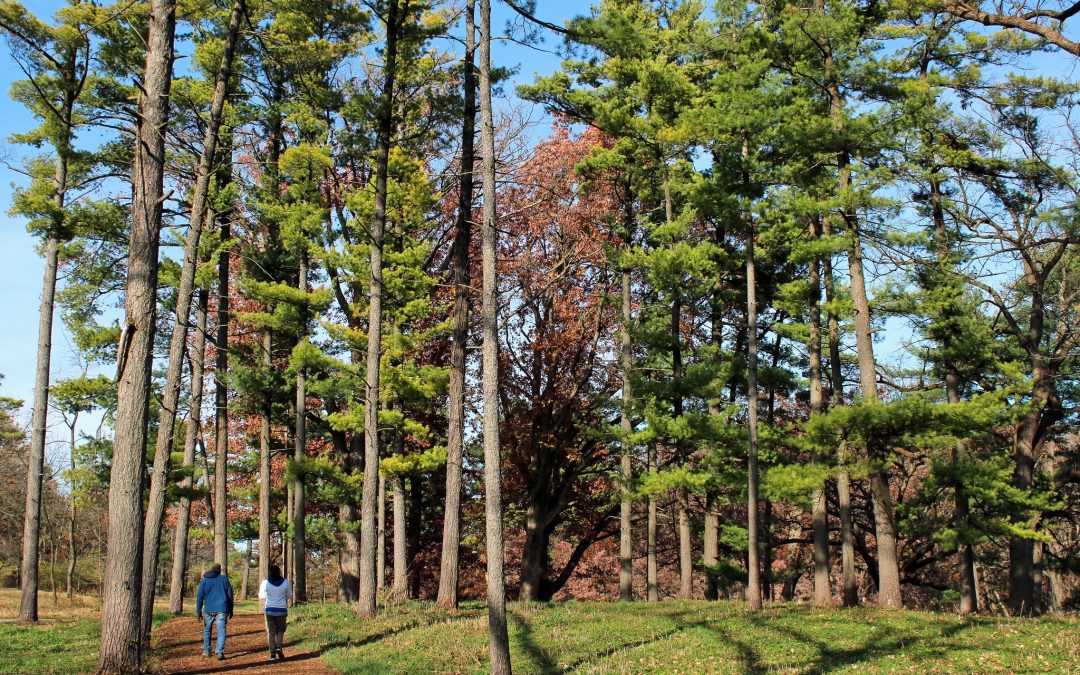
[215, 594]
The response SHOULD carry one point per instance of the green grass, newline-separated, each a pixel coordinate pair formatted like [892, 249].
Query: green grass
[670, 637]
[687, 637]
[65, 640]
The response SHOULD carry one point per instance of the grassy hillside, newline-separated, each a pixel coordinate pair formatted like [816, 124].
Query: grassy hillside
[689, 637]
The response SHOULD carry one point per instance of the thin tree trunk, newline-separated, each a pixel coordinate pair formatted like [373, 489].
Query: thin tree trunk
[499, 642]
[366, 606]
[159, 477]
[183, 515]
[412, 538]
[753, 586]
[299, 565]
[72, 513]
[265, 550]
[451, 540]
[884, 516]
[380, 554]
[28, 609]
[221, 406]
[398, 483]
[843, 478]
[711, 544]
[246, 573]
[28, 606]
[121, 646]
[349, 585]
[652, 587]
[626, 466]
[822, 590]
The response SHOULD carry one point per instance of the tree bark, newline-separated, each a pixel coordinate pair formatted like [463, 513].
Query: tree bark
[349, 583]
[451, 539]
[366, 606]
[499, 642]
[299, 565]
[753, 585]
[398, 484]
[194, 423]
[819, 512]
[843, 478]
[73, 553]
[121, 646]
[652, 586]
[380, 554]
[884, 515]
[265, 551]
[626, 466]
[246, 573]
[221, 405]
[159, 476]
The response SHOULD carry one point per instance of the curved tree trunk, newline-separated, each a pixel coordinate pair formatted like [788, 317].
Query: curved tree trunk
[194, 424]
[121, 644]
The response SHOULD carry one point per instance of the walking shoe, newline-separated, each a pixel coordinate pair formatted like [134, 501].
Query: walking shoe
[221, 656]
[280, 655]
[273, 657]
[206, 655]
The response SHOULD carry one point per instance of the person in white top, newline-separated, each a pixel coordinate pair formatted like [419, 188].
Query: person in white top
[276, 591]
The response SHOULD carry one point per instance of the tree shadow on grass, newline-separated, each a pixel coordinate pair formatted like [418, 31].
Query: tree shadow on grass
[523, 636]
[890, 641]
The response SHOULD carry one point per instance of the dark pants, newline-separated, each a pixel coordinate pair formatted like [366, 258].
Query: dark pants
[275, 632]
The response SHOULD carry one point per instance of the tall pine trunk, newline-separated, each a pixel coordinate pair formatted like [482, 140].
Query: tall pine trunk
[28, 604]
[652, 583]
[399, 590]
[753, 584]
[819, 512]
[626, 466]
[380, 554]
[499, 641]
[221, 402]
[299, 558]
[366, 606]
[159, 477]
[73, 553]
[191, 433]
[451, 539]
[843, 477]
[121, 646]
[265, 552]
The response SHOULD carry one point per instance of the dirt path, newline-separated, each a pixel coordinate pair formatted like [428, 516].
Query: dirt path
[180, 642]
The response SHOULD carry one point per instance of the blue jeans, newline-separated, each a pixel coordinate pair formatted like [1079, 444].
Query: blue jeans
[209, 619]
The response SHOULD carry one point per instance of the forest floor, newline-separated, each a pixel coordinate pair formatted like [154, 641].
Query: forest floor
[669, 637]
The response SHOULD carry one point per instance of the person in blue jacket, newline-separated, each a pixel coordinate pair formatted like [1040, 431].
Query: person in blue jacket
[214, 602]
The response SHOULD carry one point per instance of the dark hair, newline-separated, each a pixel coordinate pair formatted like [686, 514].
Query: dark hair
[216, 567]
[275, 572]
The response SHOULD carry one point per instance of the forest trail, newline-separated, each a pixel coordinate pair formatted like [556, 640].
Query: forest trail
[179, 644]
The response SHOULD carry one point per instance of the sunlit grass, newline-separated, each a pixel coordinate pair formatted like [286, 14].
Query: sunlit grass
[687, 637]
